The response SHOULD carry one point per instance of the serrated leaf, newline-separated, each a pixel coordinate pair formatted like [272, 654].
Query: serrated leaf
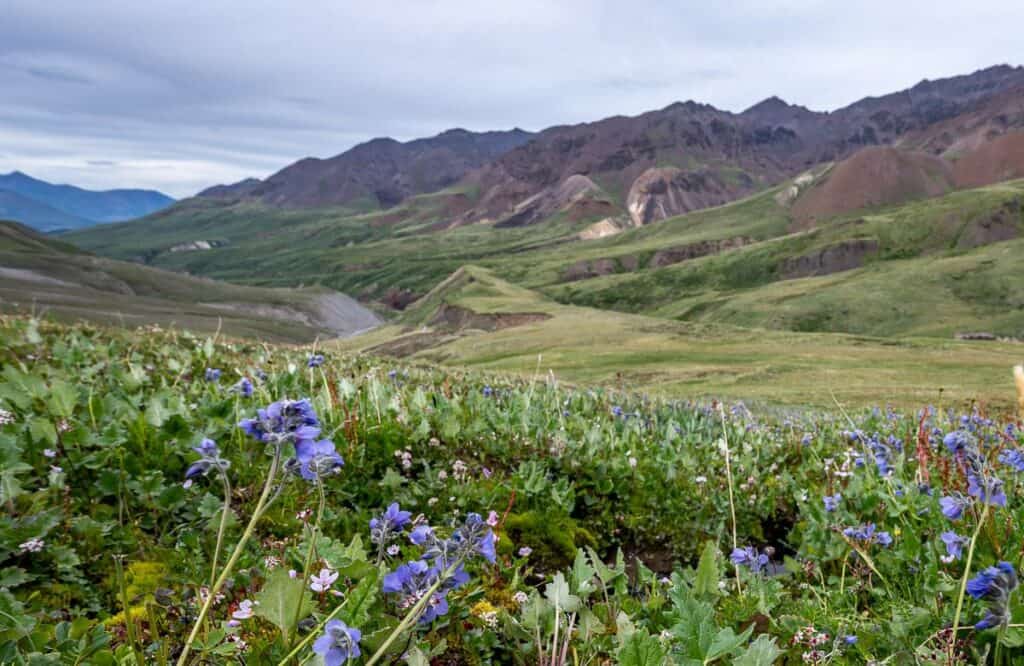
[705, 584]
[726, 641]
[42, 431]
[762, 652]
[641, 649]
[283, 601]
[558, 595]
[62, 399]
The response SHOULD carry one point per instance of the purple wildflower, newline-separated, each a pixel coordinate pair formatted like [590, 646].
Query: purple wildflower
[338, 644]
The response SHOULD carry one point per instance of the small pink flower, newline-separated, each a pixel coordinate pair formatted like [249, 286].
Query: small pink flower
[323, 582]
[492, 519]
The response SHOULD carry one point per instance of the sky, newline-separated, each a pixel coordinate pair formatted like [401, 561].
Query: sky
[178, 96]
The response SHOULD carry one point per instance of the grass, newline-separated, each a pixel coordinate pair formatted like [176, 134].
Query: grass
[588, 346]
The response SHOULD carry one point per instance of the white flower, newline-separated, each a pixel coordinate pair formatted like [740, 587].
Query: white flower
[187, 484]
[323, 582]
[245, 610]
[49, 453]
[520, 597]
[6, 417]
[701, 479]
[271, 562]
[292, 573]
[33, 545]
[394, 550]
[632, 462]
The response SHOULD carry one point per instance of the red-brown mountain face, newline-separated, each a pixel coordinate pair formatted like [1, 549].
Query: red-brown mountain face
[667, 162]
[379, 172]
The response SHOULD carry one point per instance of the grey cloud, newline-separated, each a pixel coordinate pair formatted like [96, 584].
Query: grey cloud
[182, 94]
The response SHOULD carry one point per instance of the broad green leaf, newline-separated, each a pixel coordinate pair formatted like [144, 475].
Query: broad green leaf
[283, 601]
[640, 649]
[762, 652]
[42, 431]
[63, 398]
[558, 595]
[10, 487]
[705, 585]
[726, 641]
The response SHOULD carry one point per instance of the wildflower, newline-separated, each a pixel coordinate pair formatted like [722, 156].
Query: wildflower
[284, 421]
[432, 501]
[292, 573]
[33, 545]
[994, 585]
[850, 639]
[389, 522]
[492, 518]
[323, 582]
[338, 644]
[520, 597]
[421, 534]
[954, 546]
[486, 612]
[957, 441]
[700, 480]
[632, 462]
[459, 470]
[486, 472]
[868, 534]
[525, 551]
[1014, 458]
[749, 557]
[986, 488]
[49, 453]
[414, 579]
[212, 375]
[953, 506]
[488, 391]
[245, 610]
[832, 502]
[187, 484]
[271, 562]
[315, 360]
[317, 459]
[304, 515]
[6, 418]
[442, 476]
[393, 550]
[210, 459]
[244, 387]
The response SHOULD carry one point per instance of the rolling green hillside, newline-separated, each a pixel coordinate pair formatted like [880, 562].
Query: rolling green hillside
[49, 276]
[475, 319]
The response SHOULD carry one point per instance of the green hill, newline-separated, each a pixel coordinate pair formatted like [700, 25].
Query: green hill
[47, 275]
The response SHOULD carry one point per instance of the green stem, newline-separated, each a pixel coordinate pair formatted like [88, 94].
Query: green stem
[967, 573]
[223, 525]
[129, 624]
[411, 617]
[313, 634]
[257, 514]
[309, 553]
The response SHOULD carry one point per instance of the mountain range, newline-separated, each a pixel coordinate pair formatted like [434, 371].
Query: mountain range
[48, 207]
[896, 215]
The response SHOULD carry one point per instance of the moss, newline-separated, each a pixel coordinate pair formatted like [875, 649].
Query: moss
[553, 539]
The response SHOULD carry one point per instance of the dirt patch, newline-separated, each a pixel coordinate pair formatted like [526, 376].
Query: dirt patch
[591, 268]
[681, 253]
[1000, 159]
[843, 256]
[1002, 225]
[453, 317]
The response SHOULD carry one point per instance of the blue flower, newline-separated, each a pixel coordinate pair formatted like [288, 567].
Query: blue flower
[954, 545]
[283, 421]
[994, 585]
[953, 506]
[1014, 458]
[317, 459]
[414, 579]
[315, 360]
[957, 441]
[391, 521]
[338, 644]
[850, 639]
[212, 374]
[832, 502]
[210, 459]
[986, 488]
[488, 391]
[749, 557]
[420, 534]
[244, 387]
[868, 534]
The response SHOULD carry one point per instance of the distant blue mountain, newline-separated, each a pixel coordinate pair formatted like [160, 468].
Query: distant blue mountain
[49, 207]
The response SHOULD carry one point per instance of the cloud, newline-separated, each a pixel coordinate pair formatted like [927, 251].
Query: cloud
[180, 95]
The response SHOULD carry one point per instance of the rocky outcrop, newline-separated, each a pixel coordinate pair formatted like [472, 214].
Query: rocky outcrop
[836, 258]
[571, 195]
[662, 193]
[454, 317]
[681, 253]
[1003, 224]
[192, 246]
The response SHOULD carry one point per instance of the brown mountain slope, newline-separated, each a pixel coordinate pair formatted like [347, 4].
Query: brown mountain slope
[874, 176]
[1000, 159]
[379, 172]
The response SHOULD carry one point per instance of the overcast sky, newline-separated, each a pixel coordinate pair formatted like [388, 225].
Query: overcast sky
[181, 95]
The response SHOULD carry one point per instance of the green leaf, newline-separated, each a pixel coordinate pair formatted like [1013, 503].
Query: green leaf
[63, 398]
[582, 576]
[641, 649]
[10, 487]
[283, 600]
[762, 652]
[558, 595]
[705, 585]
[42, 431]
[726, 641]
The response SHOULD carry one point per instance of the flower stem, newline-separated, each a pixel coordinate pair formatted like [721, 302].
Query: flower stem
[411, 617]
[963, 580]
[223, 525]
[309, 553]
[261, 506]
[732, 505]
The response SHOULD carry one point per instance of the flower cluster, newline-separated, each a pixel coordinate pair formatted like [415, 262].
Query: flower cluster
[867, 534]
[954, 546]
[994, 585]
[749, 557]
[295, 422]
[244, 387]
[315, 360]
[389, 523]
[212, 375]
[439, 570]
